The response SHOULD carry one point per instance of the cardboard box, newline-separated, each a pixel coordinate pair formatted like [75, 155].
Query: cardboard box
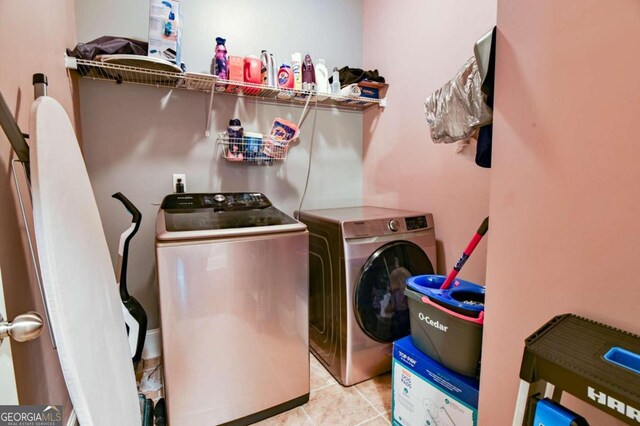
[373, 89]
[165, 30]
[235, 65]
[427, 394]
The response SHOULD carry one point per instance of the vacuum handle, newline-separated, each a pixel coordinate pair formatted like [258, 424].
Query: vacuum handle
[137, 216]
[123, 249]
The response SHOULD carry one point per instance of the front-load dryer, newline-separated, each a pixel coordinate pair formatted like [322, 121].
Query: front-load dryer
[359, 259]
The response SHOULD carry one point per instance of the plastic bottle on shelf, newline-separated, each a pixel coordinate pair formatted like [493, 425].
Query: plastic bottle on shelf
[285, 77]
[296, 67]
[221, 69]
[264, 74]
[235, 132]
[273, 71]
[335, 83]
[308, 74]
[322, 77]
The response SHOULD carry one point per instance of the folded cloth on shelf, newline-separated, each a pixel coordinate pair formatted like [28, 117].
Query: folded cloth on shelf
[456, 109]
[356, 75]
[108, 45]
[351, 91]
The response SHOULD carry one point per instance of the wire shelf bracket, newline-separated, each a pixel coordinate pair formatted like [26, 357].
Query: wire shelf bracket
[119, 73]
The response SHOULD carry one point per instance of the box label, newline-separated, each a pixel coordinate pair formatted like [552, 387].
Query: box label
[417, 402]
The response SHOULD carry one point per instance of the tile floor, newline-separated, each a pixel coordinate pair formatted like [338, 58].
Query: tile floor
[149, 378]
[367, 403]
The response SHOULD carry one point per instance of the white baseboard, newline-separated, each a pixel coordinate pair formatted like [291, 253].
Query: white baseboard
[152, 344]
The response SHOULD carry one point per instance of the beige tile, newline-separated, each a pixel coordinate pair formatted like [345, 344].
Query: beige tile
[293, 417]
[378, 392]
[139, 375]
[337, 405]
[319, 376]
[150, 363]
[377, 421]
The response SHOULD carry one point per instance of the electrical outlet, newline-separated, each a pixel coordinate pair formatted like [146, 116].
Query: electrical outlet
[183, 182]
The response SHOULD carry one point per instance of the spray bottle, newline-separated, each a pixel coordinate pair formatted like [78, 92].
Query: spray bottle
[221, 69]
[308, 74]
[335, 81]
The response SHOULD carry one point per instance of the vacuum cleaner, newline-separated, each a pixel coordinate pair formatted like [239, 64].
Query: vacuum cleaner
[135, 317]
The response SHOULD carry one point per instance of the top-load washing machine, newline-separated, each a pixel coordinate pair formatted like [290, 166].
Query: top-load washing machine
[233, 286]
[359, 260]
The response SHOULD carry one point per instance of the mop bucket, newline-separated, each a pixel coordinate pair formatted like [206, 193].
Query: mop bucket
[447, 324]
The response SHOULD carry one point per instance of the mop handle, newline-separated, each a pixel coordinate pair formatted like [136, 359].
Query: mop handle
[466, 253]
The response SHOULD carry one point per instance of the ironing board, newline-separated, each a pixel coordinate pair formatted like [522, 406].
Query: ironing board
[79, 281]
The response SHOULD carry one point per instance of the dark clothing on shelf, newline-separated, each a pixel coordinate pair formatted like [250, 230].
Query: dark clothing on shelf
[108, 45]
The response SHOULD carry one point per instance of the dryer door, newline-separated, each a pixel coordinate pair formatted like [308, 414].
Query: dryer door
[380, 304]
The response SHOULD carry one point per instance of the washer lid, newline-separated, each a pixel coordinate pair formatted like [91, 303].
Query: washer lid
[186, 216]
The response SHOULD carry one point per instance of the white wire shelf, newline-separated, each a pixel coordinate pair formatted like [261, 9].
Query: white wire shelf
[119, 73]
[251, 150]
[97, 70]
[274, 95]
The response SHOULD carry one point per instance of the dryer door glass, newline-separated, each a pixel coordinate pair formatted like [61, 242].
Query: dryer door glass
[380, 304]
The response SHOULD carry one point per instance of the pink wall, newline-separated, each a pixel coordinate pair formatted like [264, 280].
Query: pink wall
[33, 36]
[565, 233]
[418, 46]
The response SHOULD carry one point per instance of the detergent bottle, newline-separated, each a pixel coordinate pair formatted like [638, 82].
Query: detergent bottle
[322, 77]
[285, 77]
[264, 70]
[296, 68]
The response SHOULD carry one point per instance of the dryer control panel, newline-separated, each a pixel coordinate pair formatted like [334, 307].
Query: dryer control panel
[387, 226]
[416, 222]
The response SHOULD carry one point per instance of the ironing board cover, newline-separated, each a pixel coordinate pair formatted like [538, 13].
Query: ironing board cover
[77, 275]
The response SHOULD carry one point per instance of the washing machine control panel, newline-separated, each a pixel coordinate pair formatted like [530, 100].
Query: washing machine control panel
[393, 225]
[223, 201]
